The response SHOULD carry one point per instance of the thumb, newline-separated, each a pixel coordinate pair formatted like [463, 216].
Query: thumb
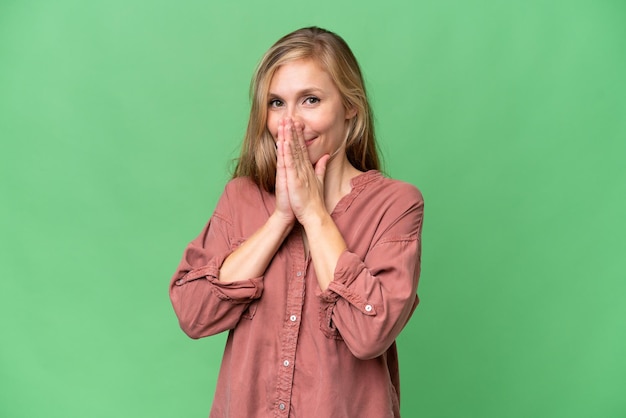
[320, 167]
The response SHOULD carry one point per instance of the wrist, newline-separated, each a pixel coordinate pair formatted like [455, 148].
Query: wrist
[281, 221]
[315, 220]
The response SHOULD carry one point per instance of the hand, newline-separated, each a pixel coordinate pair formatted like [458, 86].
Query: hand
[305, 183]
[283, 207]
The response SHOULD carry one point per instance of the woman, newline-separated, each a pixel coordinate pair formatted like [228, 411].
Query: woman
[311, 258]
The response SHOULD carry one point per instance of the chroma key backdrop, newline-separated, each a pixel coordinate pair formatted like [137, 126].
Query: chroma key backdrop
[119, 123]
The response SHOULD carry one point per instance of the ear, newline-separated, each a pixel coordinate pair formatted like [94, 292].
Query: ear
[350, 112]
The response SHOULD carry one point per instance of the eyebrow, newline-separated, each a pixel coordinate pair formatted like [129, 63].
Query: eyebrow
[305, 92]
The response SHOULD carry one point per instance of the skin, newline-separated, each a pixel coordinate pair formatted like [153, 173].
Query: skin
[309, 124]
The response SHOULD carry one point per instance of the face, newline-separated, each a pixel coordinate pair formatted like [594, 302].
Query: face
[303, 91]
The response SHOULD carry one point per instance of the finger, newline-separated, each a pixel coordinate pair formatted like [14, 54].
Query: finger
[299, 134]
[291, 145]
[295, 171]
[320, 168]
[298, 147]
[304, 152]
[291, 157]
[281, 169]
[280, 157]
[289, 133]
[280, 134]
[280, 150]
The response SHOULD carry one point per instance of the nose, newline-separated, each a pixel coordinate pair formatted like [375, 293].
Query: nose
[292, 112]
[288, 113]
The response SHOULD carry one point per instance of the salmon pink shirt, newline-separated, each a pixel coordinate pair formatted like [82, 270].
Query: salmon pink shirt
[292, 349]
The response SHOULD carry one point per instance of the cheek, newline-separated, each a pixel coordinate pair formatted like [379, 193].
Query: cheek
[272, 124]
[320, 123]
[337, 118]
[331, 124]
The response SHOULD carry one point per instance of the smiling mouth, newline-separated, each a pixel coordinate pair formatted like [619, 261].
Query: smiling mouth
[308, 142]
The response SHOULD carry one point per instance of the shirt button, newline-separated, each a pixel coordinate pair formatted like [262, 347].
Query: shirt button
[368, 308]
[299, 274]
[293, 318]
[286, 363]
[281, 406]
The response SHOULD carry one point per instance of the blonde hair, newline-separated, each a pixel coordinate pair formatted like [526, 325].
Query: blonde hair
[258, 152]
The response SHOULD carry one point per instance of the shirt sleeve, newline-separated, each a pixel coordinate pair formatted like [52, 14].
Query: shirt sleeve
[370, 300]
[204, 305]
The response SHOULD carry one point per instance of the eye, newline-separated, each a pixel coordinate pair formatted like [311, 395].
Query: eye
[311, 100]
[275, 103]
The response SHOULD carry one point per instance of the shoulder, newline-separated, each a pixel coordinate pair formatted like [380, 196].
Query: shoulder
[385, 190]
[240, 192]
[394, 208]
[401, 188]
[239, 185]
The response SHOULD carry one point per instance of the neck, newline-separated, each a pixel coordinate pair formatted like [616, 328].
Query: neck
[339, 173]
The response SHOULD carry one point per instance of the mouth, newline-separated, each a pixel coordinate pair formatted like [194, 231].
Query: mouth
[308, 142]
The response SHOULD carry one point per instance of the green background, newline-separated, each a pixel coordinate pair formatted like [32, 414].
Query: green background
[119, 122]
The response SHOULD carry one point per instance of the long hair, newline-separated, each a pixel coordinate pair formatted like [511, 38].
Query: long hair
[258, 152]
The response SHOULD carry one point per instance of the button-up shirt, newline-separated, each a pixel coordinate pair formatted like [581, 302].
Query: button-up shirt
[292, 349]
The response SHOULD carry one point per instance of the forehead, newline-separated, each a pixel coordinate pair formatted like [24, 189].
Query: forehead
[301, 74]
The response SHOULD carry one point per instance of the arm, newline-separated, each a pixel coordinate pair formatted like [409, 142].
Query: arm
[205, 306]
[370, 300]
[367, 300]
[205, 302]
[305, 185]
[253, 257]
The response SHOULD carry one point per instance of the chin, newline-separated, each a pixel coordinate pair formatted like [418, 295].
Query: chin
[314, 158]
